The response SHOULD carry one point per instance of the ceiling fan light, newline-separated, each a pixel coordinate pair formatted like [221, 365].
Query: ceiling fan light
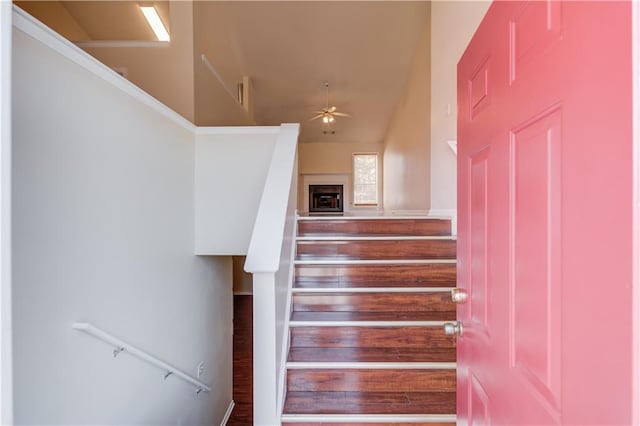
[331, 119]
[325, 119]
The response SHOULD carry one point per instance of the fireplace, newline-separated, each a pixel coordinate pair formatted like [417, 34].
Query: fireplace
[326, 198]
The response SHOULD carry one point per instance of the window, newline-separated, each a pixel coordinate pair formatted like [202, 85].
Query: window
[365, 179]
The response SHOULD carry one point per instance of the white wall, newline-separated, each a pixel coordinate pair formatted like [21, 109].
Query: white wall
[230, 171]
[6, 403]
[406, 145]
[452, 26]
[103, 232]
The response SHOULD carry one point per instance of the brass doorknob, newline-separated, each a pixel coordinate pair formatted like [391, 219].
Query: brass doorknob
[459, 295]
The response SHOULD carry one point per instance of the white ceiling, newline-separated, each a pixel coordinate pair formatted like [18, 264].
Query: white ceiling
[364, 49]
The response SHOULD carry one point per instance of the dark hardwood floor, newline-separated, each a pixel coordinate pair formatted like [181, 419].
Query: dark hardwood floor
[242, 361]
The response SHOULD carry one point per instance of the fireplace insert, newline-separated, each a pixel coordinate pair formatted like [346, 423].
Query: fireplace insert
[326, 198]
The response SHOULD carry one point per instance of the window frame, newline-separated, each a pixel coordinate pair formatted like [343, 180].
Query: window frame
[377, 182]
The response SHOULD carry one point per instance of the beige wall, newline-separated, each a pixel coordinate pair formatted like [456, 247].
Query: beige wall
[164, 72]
[56, 16]
[333, 158]
[215, 100]
[406, 151]
[452, 26]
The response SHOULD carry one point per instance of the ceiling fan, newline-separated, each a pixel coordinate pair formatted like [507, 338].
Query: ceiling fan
[328, 114]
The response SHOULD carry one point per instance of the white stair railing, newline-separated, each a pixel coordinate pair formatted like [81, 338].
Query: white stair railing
[270, 260]
[120, 346]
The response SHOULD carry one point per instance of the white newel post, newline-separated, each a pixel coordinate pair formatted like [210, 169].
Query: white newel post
[265, 372]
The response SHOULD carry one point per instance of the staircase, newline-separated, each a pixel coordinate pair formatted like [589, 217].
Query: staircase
[366, 345]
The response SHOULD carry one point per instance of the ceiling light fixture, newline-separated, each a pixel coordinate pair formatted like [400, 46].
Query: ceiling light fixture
[151, 14]
[328, 114]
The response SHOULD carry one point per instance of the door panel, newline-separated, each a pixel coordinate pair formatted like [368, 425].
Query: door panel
[478, 240]
[544, 202]
[535, 315]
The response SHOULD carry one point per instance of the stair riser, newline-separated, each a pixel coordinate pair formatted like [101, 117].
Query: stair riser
[373, 302]
[432, 275]
[409, 227]
[372, 250]
[371, 380]
[370, 337]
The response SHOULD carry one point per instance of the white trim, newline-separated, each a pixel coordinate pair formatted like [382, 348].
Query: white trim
[91, 44]
[373, 290]
[453, 144]
[6, 356]
[368, 418]
[377, 238]
[409, 213]
[376, 262]
[442, 213]
[367, 323]
[34, 28]
[635, 373]
[227, 414]
[371, 365]
[243, 293]
[238, 130]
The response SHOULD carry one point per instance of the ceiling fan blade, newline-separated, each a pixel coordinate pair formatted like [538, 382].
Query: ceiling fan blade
[331, 110]
[341, 114]
[316, 117]
[320, 111]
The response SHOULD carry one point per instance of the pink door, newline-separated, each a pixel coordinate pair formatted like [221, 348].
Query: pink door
[545, 215]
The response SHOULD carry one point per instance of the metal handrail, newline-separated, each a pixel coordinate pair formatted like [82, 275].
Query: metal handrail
[121, 346]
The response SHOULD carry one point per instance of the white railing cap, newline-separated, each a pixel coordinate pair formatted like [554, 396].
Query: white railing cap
[268, 232]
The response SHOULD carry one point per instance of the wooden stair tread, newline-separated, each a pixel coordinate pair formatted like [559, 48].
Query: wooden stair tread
[366, 354]
[370, 380]
[370, 337]
[378, 249]
[375, 226]
[436, 273]
[370, 403]
[373, 302]
[373, 316]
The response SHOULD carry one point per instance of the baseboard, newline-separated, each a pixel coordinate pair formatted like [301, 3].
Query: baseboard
[227, 415]
[407, 212]
[443, 212]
